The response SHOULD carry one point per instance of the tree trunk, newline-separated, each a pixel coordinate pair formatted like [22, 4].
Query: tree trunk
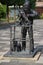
[14, 14]
[7, 14]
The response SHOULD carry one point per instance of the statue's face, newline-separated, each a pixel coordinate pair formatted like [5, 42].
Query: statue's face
[27, 6]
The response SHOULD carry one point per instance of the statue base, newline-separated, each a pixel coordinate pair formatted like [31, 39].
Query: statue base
[22, 54]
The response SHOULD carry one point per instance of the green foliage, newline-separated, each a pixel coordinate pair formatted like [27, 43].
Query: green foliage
[7, 2]
[2, 10]
[32, 4]
[19, 2]
[41, 16]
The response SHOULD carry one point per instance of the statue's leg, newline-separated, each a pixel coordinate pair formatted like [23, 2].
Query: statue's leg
[30, 31]
[24, 31]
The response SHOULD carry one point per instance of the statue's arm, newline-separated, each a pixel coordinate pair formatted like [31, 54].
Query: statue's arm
[24, 16]
[33, 14]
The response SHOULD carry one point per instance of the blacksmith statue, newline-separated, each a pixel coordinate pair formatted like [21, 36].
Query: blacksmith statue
[27, 16]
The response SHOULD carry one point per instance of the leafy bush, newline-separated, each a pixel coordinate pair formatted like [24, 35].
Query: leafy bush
[41, 16]
[33, 2]
[2, 11]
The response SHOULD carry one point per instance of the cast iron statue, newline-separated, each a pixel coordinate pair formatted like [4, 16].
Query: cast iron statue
[16, 45]
[27, 15]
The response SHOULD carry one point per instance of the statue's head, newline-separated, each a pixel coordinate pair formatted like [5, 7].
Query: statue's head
[26, 6]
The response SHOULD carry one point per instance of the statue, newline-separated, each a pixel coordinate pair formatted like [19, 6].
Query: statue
[19, 47]
[27, 15]
[14, 45]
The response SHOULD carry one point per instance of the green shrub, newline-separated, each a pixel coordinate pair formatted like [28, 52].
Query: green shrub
[41, 16]
[2, 11]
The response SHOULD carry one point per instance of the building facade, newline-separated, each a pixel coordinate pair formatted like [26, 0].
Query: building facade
[39, 6]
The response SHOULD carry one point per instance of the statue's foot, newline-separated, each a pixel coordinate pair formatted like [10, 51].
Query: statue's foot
[12, 50]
